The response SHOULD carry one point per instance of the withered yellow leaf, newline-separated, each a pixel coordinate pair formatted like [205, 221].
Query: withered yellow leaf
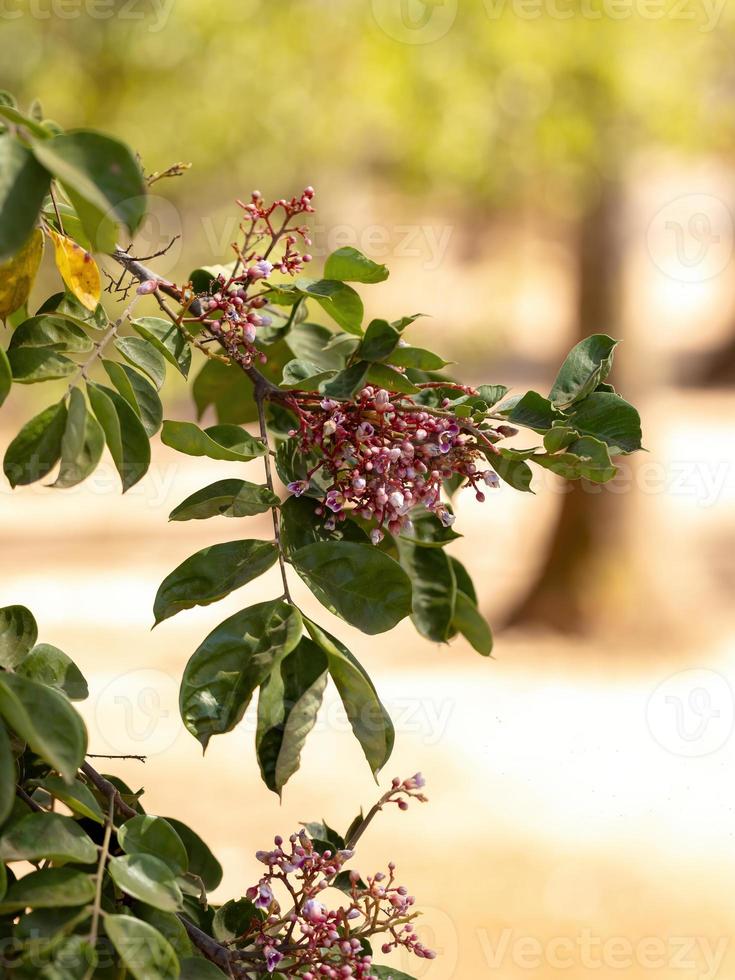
[78, 270]
[17, 274]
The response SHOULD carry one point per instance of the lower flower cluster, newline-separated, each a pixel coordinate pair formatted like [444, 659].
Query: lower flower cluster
[385, 455]
[311, 940]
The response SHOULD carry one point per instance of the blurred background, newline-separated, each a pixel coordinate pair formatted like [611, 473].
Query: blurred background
[531, 171]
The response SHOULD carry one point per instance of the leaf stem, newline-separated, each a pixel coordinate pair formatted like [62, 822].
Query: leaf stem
[259, 401]
[101, 344]
[104, 852]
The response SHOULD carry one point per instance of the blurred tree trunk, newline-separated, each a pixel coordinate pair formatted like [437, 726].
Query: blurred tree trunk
[571, 579]
[719, 367]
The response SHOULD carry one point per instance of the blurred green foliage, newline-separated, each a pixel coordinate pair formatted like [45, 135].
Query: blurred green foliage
[517, 99]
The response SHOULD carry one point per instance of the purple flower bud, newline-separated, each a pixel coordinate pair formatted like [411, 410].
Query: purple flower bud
[272, 958]
[149, 286]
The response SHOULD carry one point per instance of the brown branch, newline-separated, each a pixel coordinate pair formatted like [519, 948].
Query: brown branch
[109, 790]
[28, 800]
[263, 387]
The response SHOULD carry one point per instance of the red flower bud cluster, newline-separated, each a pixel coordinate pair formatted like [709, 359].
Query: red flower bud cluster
[384, 455]
[230, 308]
[311, 940]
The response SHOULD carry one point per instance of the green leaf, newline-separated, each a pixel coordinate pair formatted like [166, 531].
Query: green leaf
[417, 358]
[82, 443]
[147, 954]
[308, 342]
[226, 498]
[287, 708]
[217, 442]
[232, 662]
[586, 366]
[559, 437]
[167, 339]
[464, 582]
[390, 379]
[31, 365]
[534, 412]
[139, 393]
[43, 717]
[68, 307]
[349, 265]
[389, 973]
[200, 969]
[303, 375]
[235, 919]
[37, 447]
[144, 834]
[512, 470]
[340, 301]
[347, 383]
[358, 582]
[586, 458]
[608, 417]
[301, 525]
[434, 589]
[370, 722]
[169, 925]
[202, 862]
[6, 376]
[23, 186]
[428, 530]
[102, 177]
[75, 795]
[472, 625]
[56, 332]
[49, 888]
[380, 339]
[147, 878]
[7, 776]
[143, 355]
[49, 665]
[293, 464]
[211, 574]
[47, 836]
[18, 633]
[124, 433]
[228, 389]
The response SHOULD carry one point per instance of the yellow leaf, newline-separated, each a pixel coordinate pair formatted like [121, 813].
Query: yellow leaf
[78, 270]
[17, 274]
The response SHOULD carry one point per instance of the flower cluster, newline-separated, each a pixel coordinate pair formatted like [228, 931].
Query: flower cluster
[313, 941]
[385, 455]
[230, 309]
